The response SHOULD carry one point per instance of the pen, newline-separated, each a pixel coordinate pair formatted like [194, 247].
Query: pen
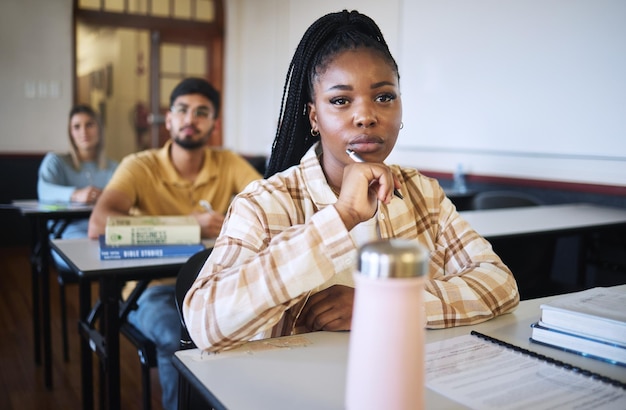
[356, 158]
[206, 205]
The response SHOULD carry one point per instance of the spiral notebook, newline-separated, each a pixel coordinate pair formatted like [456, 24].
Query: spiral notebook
[485, 373]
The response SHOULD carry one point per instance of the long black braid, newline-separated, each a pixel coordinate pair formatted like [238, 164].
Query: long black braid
[325, 38]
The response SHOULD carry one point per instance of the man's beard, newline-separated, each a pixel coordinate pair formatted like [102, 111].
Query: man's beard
[190, 144]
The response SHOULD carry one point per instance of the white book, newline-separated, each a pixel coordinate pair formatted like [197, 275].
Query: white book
[575, 343]
[599, 313]
[152, 230]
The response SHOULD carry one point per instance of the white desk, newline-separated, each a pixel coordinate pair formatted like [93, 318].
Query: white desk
[314, 377]
[582, 220]
[553, 219]
[83, 256]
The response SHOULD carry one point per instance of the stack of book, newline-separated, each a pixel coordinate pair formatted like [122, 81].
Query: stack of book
[132, 237]
[590, 323]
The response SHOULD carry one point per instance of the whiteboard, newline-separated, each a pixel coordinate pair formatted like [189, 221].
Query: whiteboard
[516, 87]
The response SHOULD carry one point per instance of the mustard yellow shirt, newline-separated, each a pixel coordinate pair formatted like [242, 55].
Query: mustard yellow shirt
[150, 180]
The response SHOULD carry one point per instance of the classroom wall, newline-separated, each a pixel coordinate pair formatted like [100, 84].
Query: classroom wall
[35, 74]
[526, 89]
[530, 89]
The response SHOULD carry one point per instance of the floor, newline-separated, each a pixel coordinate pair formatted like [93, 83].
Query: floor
[21, 381]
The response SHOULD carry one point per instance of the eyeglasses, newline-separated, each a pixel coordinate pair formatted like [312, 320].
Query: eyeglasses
[200, 112]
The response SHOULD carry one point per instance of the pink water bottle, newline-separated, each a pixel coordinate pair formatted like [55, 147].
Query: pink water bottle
[386, 356]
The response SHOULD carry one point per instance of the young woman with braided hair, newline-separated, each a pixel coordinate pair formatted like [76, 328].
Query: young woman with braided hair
[284, 260]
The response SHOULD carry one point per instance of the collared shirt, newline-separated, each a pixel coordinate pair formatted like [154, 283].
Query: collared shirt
[283, 239]
[154, 186]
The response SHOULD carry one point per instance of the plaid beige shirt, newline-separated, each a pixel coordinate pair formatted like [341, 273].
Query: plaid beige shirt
[283, 240]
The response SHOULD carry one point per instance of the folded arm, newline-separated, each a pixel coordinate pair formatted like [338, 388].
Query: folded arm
[468, 283]
[254, 275]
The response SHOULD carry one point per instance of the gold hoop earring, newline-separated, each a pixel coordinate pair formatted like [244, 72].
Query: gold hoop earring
[401, 125]
[314, 133]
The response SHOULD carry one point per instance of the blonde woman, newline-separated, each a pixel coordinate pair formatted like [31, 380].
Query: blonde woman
[81, 174]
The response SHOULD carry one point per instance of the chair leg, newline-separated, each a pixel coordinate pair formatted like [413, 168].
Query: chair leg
[66, 348]
[183, 393]
[145, 381]
[147, 358]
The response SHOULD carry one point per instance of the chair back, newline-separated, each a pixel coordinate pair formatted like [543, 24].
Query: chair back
[186, 276]
[503, 199]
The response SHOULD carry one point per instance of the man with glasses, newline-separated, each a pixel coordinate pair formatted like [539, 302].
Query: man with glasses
[182, 178]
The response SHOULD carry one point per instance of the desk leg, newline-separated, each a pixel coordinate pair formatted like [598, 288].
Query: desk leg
[34, 268]
[86, 358]
[109, 294]
[44, 273]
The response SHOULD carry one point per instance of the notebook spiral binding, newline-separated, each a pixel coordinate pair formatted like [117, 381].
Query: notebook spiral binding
[550, 360]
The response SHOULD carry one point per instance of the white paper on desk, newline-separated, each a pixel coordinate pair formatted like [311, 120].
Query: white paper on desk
[483, 375]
